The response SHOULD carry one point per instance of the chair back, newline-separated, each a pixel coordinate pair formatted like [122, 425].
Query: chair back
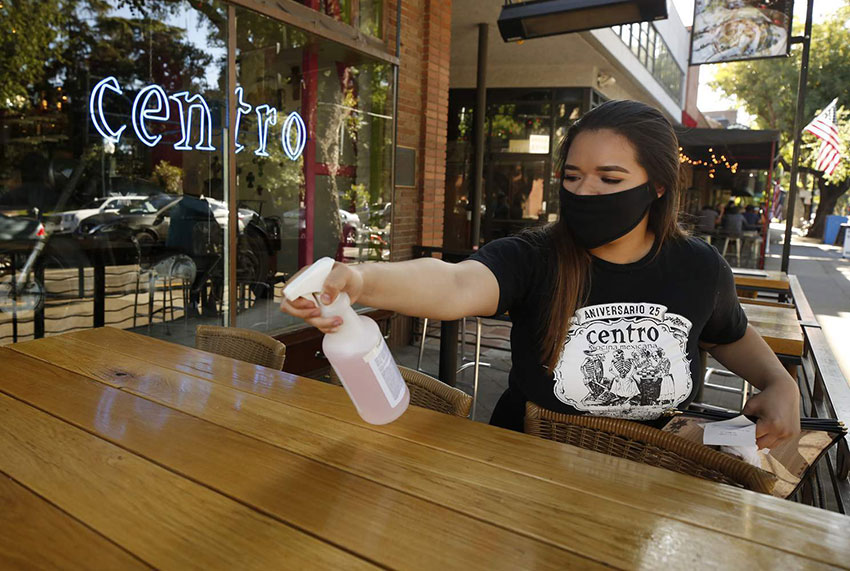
[175, 266]
[242, 344]
[647, 445]
[428, 392]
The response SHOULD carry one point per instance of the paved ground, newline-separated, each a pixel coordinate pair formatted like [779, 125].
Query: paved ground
[825, 278]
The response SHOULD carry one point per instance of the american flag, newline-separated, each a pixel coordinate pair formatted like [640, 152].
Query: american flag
[823, 127]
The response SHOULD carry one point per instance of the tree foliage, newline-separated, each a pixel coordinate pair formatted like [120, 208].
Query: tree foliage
[767, 89]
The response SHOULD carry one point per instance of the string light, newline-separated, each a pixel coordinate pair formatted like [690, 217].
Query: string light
[683, 158]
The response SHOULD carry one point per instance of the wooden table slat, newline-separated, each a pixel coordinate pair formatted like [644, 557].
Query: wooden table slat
[503, 448]
[26, 520]
[163, 519]
[312, 496]
[778, 326]
[774, 280]
[684, 498]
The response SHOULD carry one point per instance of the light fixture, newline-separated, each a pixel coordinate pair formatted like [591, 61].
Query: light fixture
[540, 18]
[604, 80]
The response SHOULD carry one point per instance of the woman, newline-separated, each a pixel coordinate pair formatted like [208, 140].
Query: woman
[615, 275]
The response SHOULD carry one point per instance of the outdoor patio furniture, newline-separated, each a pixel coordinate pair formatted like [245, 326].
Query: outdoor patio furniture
[647, 445]
[266, 468]
[475, 363]
[163, 274]
[243, 344]
[428, 392]
[737, 244]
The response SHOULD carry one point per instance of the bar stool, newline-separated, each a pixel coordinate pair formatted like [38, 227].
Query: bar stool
[737, 240]
[166, 271]
[745, 389]
[752, 243]
[474, 363]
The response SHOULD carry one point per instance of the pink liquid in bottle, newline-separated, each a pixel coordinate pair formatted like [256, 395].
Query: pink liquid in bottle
[368, 373]
[356, 350]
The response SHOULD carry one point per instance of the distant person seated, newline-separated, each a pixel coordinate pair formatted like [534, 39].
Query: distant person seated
[707, 219]
[734, 222]
[752, 216]
[191, 210]
[183, 236]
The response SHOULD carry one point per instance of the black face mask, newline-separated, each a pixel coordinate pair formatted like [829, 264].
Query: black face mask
[597, 219]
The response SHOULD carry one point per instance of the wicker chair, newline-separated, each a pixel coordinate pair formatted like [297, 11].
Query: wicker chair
[647, 445]
[428, 392]
[243, 344]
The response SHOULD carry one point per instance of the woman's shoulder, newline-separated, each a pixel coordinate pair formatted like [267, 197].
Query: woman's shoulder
[693, 251]
[527, 243]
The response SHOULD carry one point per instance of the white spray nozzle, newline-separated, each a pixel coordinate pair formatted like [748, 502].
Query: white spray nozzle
[310, 281]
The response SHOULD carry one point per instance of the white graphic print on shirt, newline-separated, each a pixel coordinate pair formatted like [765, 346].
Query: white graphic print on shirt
[626, 360]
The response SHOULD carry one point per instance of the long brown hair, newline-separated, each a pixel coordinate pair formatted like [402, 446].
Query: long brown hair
[656, 148]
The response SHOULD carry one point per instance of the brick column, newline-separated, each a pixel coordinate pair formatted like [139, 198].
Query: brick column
[422, 118]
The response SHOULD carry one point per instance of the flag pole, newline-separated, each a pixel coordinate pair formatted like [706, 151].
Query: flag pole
[806, 40]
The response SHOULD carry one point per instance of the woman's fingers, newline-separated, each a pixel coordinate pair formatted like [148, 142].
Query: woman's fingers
[326, 324]
[766, 441]
[771, 433]
[301, 308]
[335, 282]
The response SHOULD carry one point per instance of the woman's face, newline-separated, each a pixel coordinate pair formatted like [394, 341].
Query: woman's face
[602, 162]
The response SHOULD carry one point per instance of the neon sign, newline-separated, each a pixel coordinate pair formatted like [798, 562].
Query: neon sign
[151, 105]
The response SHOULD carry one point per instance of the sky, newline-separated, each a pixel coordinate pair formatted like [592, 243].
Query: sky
[710, 100]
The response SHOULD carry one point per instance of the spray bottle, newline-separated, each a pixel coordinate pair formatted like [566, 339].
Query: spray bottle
[357, 351]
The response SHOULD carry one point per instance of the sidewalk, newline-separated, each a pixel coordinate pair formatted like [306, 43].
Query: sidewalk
[825, 278]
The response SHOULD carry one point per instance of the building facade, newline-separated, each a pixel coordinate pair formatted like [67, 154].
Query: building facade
[165, 164]
[535, 90]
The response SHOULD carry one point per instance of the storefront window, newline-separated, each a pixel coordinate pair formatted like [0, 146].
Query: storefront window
[524, 128]
[368, 15]
[111, 163]
[333, 196]
[114, 169]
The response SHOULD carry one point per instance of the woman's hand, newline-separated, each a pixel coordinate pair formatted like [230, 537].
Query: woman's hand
[778, 410]
[343, 278]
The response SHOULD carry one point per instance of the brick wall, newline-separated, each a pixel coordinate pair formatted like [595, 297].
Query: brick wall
[422, 119]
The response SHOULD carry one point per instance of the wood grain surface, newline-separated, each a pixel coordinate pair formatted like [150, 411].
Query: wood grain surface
[174, 435]
[773, 280]
[779, 326]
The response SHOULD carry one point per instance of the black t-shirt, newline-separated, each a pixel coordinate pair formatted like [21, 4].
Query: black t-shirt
[632, 349]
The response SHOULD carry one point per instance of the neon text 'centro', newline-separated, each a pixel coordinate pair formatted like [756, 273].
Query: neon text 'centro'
[151, 105]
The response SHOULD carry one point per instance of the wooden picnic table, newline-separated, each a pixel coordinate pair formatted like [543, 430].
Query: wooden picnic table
[779, 327]
[761, 280]
[122, 451]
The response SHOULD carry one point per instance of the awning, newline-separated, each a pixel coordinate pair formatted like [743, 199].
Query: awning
[751, 149]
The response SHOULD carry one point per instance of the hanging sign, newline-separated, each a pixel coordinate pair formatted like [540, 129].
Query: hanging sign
[735, 30]
[151, 105]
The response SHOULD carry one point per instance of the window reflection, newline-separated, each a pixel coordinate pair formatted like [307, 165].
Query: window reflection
[113, 208]
[520, 188]
[88, 234]
[334, 199]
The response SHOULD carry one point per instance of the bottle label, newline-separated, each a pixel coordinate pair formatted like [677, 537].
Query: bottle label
[381, 361]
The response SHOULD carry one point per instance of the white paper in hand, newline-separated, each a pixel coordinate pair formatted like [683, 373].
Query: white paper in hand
[738, 431]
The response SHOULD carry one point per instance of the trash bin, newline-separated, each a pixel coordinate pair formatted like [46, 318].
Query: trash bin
[833, 224]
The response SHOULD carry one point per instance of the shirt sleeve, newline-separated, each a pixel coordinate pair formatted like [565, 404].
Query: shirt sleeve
[511, 261]
[728, 322]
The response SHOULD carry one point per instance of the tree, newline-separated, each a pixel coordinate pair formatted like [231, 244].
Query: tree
[25, 42]
[831, 187]
[768, 90]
